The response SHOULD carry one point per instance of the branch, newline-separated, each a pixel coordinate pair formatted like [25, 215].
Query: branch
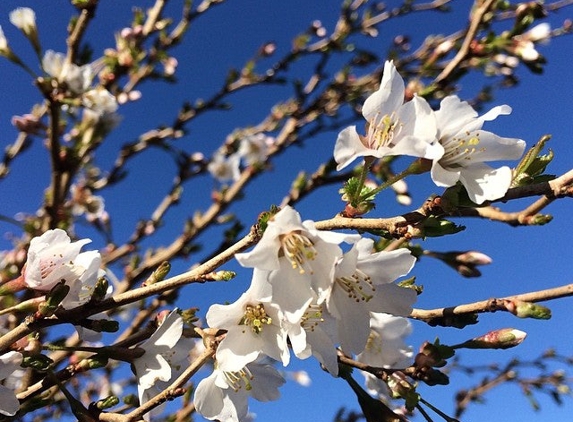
[492, 305]
[477, 19]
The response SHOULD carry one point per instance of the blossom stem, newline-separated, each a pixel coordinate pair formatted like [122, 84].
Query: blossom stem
[417, 167]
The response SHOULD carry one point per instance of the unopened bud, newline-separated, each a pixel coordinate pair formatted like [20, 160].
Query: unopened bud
[504, 338]
[93, 362]
[159, 274]
[223, 275]
[106, 403]
[472, 258]
[399, 384]
[523, 309]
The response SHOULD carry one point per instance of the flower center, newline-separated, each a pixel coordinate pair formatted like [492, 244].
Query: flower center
[373, 344]
[382, 132]
[458, 150]
[236, 380]
[298, 249]
[358, 286]
[312, 317]
[255, 317]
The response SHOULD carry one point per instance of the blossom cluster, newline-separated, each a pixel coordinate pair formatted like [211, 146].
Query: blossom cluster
[451, 138]
[71, 82]
[253, 150]
[307, 297]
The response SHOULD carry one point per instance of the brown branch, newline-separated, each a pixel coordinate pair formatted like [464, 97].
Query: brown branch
[493, 305]
[477, 19]
[78, 31]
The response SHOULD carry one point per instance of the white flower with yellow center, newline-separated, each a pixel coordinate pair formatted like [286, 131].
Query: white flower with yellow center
[463, 148]
[223, 396]
[385, 348]
[297, 261]
[394, 127]
[315, 335]
[364, 284]
[253, 327]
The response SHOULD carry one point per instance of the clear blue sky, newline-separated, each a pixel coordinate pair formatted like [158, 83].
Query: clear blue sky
[524, 259]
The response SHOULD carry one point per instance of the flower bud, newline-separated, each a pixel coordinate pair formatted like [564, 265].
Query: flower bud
[504, 338]
[106, 403]
[399, 385]
[24, 19]
[93, 362]
[159, 274]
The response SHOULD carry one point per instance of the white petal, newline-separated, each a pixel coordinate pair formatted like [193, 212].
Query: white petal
[151, 368]
[453, 115]
[265, 383]
[385, 267]
[208, 398]
[9, 404]
[168, 333]
[445, 177]
[484, 183]
[392, 299]
[494, 148]
[348, 147]
[238, 349]
[388, 97]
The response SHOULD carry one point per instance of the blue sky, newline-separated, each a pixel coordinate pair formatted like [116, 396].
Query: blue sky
[524, 259]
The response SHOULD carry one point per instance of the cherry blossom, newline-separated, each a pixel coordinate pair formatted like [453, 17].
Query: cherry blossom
[52, 258]
[364, 284]
[253, 327]
[165, 351]
[298, 261]
[24, 19]
[223, 396]
[394, 127]
[463, 148]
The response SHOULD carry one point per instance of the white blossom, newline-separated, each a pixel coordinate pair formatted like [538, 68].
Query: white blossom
[253, 327]
[386, 348]
[77, 78]
[254, 149]
[298, 261]
[315, 335]
[24, 19]
[464, 148]
[165, 352]
[3, 42]
[393, 126]
[52, 258]
[225, 168]
[364, 284]
[82, 290]
[525, 43]
[9, 363]
[223, 396]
